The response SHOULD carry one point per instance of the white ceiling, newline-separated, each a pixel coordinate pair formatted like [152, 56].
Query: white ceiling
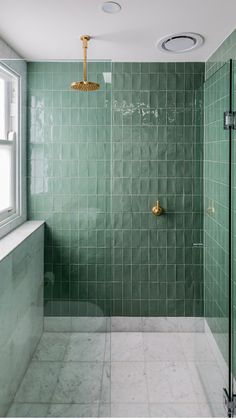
[50, 29]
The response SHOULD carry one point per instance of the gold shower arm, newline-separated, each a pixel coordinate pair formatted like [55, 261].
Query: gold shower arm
[85, 39]
[85, 85]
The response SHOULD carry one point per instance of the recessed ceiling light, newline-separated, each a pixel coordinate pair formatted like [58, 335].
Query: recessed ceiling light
[181, 42]
[111, 7]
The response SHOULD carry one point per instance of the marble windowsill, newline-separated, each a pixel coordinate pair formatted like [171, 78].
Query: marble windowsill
[17, 236]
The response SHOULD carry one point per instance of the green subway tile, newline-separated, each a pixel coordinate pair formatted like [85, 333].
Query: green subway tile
[145, 68]
[136, 67]
[171, 81]
[171, 68]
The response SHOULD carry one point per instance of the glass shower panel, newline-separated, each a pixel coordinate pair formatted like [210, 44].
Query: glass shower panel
[197, 283]
[69, 188]
[214, 370]
[233, 236]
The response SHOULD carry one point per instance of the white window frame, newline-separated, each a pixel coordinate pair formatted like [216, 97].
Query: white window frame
[9, 215]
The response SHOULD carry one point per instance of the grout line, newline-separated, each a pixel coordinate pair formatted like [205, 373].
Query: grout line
[146, 376]
[100, 403]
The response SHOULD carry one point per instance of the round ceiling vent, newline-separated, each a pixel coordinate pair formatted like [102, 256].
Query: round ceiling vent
[111, 7]
[180, 42]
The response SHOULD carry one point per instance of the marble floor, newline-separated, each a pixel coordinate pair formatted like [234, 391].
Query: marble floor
[125, 374]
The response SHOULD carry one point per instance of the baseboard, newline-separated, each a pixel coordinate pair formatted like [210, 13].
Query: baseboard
[123, 324]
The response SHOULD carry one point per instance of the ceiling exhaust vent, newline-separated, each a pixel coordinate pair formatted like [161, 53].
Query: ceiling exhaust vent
[180, 42]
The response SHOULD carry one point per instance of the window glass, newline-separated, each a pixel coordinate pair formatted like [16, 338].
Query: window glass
[6, 198]
[9, 147]
[2, 108]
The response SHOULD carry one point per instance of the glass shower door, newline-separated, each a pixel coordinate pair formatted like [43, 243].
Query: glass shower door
[69, 175]
[233, 235]
[215, 372]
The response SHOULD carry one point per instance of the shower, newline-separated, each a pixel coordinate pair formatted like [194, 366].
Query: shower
[117, 209]
[85, 85]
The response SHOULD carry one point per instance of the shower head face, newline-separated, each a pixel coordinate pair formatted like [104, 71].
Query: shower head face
[85, 86]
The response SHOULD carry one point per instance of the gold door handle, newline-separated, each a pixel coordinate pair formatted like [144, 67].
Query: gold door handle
[157, 209]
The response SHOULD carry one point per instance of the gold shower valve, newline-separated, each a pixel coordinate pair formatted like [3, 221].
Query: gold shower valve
[157, 209]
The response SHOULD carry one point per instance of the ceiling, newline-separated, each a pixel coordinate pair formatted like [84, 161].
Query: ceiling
[50, 29]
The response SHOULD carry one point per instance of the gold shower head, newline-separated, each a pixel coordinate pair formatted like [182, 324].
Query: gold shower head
[84, 85]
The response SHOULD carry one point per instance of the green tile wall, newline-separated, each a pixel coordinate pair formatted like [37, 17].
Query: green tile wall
[97, 164]
[225, 52]
[69, 185]
[156, 271]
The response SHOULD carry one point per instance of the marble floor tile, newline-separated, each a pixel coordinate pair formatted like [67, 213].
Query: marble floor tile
[196, 347]
[89, 347]
[39, 382]
[128, 383]
[51, 347]
[207, 381]
[170, 381]
[108, 348]
[171, 410]
[118, 374]
[106, 383]
[73, 410]
[79, 382]
[28, 410]
[127, 347]
[129, 410]
[217, 410]
[104, 410]
[124, 410]
[163, 347]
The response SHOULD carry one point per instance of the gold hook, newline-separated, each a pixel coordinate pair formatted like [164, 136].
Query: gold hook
[157, 209]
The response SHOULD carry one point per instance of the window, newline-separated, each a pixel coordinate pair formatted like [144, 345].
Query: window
[9, 145]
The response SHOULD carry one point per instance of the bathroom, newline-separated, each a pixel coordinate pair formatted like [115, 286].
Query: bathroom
[117, 208]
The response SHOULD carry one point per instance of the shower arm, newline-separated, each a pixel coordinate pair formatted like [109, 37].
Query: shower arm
[85, 85]
[85, 39]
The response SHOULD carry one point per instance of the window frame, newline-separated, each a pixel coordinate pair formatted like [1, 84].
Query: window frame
[11, 214]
